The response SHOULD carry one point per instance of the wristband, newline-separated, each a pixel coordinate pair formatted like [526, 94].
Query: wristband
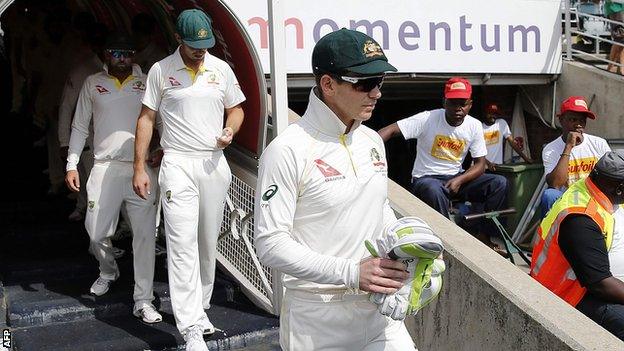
[564, 154]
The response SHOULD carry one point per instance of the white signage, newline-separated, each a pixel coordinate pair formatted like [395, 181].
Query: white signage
[421, 36]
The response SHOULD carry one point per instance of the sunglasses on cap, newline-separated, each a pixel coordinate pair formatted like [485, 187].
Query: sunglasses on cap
[363, 84]
[121, 53]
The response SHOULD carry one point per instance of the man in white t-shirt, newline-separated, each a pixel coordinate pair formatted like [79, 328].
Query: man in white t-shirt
[495, 132]
[112, 98]
[571, 156]
[444, 138]
[191, 90]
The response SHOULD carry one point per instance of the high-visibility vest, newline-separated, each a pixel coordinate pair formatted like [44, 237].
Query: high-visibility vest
[548, 264]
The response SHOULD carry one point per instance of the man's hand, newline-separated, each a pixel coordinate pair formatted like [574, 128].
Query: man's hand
[381, 275]
[490, 165]
[574, 138]
[453, 185]
[72, 179]
[141, 183]
[155, 158]
[226, 138]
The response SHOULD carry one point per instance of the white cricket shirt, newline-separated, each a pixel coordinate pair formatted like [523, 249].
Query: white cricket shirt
[191, 106]
[441, 147]
[114, 107]
[320, 194]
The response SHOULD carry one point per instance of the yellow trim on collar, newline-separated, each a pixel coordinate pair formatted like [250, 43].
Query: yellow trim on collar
[119, 84]
[192, 73]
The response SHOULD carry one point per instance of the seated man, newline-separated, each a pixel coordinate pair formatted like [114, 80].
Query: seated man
[444, 137]
[584, 231]
[573, 155]
[495, 132]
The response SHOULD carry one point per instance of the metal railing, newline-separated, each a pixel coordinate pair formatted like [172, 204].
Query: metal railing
[584, 21]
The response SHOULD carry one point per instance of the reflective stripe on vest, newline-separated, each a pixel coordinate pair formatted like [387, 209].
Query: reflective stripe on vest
[583, 197]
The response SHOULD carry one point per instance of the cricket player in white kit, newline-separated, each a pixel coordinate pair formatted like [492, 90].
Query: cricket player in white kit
[112, 98]
[322, 191]
[191, 90]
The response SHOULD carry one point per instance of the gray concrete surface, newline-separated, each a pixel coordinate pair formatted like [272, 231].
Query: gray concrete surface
[582, 79]
[604, 90]
[487, 303]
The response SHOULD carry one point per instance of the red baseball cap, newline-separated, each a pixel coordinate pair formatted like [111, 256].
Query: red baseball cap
[576, 104]
[492, 108]
[457, 88]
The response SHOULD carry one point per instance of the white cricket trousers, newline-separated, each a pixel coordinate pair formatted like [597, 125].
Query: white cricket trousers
[338, 322]
[192, 190]
[109, 187]
[84, 170]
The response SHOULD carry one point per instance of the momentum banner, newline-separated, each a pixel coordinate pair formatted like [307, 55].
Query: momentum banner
[422, 36]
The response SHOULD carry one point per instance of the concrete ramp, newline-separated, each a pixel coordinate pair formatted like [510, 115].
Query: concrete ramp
[487, 303]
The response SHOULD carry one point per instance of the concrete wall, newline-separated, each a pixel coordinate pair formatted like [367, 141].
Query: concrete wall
[487, 303]
[604, 88]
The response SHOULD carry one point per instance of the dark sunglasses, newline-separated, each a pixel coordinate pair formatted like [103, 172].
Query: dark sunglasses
[363, 84]
[121, 53]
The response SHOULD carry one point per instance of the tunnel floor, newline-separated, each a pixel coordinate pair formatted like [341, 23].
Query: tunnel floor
[46, 272]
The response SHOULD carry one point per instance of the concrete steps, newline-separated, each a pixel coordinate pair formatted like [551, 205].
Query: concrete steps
[45, 275]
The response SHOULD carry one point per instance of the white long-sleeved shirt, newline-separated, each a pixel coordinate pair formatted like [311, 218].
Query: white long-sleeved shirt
[71, 91]
[114, 107]
[320, 194]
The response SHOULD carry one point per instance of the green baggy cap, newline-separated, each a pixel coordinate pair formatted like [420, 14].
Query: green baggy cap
[349, 51]
[195, 29]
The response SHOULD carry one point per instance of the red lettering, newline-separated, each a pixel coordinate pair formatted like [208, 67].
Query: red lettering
[263, 25]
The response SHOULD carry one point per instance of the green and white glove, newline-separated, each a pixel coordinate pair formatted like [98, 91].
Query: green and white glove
[411, 241]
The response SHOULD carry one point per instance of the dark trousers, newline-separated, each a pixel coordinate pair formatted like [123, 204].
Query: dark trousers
[609, 315]
[488, 189]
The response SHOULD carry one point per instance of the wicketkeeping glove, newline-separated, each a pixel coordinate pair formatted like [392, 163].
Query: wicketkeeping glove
[411, 241]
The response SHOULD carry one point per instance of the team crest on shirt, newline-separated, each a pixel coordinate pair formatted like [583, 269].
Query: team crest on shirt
[380, 166]
[168, 195]
[212, 78]
[101, 90]
[329, 172]
[91, 205]
[174, 82]
[376, 158]
[138, 86]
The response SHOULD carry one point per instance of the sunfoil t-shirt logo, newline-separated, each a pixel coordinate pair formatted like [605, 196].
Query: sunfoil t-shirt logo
[492, 137]
[270, 192]
[580, 168]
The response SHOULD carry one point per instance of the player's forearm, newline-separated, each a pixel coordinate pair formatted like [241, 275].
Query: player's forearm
[143, 136]
[280, 251]
[76, 144]
[235, 118]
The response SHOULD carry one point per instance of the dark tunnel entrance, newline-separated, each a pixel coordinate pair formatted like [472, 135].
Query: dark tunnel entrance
[45, 266]
[43, 42]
